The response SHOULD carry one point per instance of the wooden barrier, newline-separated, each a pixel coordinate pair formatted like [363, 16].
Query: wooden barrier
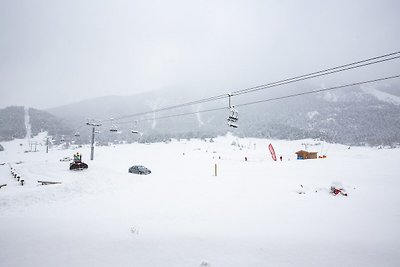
[48, 182]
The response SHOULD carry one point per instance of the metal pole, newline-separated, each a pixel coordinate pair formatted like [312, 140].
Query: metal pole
[47, 144]
[92, 145]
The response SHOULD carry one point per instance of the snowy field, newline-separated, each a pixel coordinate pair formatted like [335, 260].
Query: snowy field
[253, 213]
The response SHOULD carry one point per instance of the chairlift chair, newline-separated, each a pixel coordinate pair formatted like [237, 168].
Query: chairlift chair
[114, 129]
[134, 131]
[233, 125]
[233, 115]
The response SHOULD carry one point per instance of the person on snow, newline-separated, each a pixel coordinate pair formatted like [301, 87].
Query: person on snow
[77, 157]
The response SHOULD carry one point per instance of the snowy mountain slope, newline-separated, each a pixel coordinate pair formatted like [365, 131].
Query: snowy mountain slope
[383, 96]
[250, 214]
[13, 123]
[348, 116]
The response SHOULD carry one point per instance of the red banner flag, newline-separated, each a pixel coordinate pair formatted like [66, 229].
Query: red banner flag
[272, 151]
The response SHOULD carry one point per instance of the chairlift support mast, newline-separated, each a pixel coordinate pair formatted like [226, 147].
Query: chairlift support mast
[94, 125]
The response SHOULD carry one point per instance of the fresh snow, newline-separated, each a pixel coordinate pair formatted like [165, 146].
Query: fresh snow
[312, 114]
[27, 125]
[382, 96]
[253, 213]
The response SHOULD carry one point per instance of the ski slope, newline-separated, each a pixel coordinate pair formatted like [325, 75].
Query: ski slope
[253, 213]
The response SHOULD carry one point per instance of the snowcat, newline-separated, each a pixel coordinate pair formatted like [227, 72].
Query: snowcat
[77, 164]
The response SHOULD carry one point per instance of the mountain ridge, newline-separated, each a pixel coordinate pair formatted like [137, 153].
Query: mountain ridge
[353, 117]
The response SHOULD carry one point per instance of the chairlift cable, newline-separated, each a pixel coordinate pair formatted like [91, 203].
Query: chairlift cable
[171, 107]
[318, 90]
[328, 71]
[345, 67]
[270, 99]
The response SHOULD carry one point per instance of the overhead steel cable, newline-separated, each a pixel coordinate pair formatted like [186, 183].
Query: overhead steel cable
[269, 99]
[170, 107]
[318, 90]
[175, 115]
[345, 67]
[349, 66]
[307, 76]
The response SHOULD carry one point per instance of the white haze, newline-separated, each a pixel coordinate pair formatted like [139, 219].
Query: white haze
[58, 52]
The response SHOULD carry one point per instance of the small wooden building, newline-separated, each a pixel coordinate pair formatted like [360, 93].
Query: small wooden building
[302, 154]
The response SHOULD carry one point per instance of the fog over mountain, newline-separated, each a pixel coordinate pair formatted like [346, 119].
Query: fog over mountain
[60, 52]
[106, 59]
[13, 123]
[363, 115]
[360, 115]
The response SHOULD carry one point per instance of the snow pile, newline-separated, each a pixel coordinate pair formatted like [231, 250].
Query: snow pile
[253, 213]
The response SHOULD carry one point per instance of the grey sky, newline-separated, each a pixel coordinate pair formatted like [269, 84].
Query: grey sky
[58, 52]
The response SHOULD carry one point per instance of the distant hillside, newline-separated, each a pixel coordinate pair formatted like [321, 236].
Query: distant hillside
[355, 116]
[44, 121]
[12, 123]
[115, 106]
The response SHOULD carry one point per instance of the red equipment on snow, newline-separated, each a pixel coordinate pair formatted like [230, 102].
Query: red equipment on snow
[272, 151]
[336, 191]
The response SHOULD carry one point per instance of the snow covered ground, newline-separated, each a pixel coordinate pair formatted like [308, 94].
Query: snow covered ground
[253, 213]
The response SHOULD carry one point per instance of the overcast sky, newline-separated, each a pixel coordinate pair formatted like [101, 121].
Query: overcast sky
[58, 52]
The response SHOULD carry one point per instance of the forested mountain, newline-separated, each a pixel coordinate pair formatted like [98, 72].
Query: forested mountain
[360, 116]
[12, 123]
